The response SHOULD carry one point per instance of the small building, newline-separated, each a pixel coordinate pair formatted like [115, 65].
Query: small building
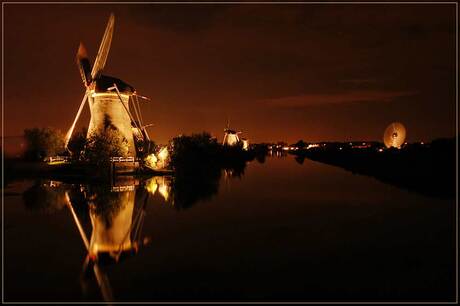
[245, 144]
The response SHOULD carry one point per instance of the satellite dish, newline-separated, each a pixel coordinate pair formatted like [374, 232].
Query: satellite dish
[394, 135]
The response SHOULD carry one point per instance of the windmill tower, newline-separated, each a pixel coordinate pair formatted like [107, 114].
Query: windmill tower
[231, 137]
[109, 99]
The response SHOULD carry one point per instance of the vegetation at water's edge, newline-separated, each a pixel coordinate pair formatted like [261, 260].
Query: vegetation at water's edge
[424, 168]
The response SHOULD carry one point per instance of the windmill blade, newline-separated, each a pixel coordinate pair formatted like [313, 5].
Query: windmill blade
[84, 65]
[70, 131]
[104, 48]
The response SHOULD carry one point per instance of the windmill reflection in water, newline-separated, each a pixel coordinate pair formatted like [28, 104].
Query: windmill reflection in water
[117, 215]
[109, 218]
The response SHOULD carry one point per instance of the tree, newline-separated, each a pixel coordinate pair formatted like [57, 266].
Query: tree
[100, 147]
[77, 144]
[195, 151]
[300, 144]
[43, 142]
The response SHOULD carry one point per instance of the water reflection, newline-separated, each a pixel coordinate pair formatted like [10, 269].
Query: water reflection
[101, 230]
[45, 196]
[115, 213]
[300, 159]
[109, 217]
[160, 184]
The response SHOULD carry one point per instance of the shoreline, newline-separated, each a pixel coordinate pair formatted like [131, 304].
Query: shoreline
[428, 170]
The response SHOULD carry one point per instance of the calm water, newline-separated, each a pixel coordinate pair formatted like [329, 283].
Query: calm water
[280, 231]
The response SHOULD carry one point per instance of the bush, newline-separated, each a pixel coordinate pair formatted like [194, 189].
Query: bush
[100, 147]
[77, 144]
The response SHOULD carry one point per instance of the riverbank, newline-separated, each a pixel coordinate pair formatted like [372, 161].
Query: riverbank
[427, 169]
[16, 168]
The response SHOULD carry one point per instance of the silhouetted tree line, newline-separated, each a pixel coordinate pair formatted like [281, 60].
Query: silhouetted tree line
[427, 169]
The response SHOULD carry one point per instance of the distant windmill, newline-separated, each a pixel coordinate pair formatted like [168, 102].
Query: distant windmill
[109, 99]
[231, 137]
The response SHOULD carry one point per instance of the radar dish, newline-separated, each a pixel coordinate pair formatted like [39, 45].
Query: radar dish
[394, 135]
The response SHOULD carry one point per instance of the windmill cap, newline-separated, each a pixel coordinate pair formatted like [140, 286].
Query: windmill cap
[104, 82]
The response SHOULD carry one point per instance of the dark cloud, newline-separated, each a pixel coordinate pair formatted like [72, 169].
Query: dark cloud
[338, 98]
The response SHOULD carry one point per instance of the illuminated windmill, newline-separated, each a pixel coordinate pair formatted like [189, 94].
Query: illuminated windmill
[231, 137]
[109, 99]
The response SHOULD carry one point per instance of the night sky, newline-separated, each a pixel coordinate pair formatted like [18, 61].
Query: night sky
[278, 72]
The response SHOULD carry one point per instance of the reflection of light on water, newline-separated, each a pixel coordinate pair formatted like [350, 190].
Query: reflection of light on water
[114, 232]
[123, 188]
[164, 191]
[112, 239]
[228, 174]
[160, 184]
[151, 186]
[159, 161]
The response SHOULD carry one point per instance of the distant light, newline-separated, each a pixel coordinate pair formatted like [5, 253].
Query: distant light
[380, 150]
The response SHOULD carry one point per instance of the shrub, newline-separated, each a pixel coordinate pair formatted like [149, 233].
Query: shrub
[100, 147]
[77, 144]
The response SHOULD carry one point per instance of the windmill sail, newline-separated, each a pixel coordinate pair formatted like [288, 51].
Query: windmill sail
[84, 64]
[70, 131]
[104, 48]
[99, 93]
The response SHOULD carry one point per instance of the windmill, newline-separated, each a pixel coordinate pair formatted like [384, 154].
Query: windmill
[231, 137]
[109, 99]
